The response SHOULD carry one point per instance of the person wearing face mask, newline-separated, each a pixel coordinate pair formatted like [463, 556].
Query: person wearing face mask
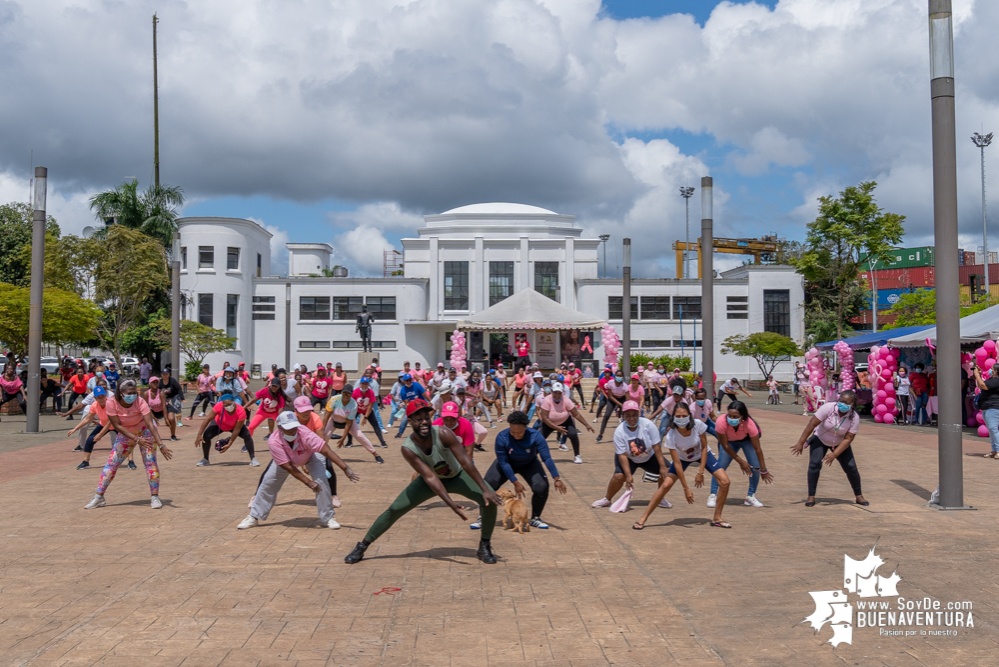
[341, 414]
[678, 393]
[903, 387]
[78, 383]
[226, 417]
[829, 434]
[321, 386]
[272, 401]
[96, 412]
[130, 418]
[650, 381]
[636, 445]
[557, 412]
[737, 431]
[292, 446]
[173, 394]
[687, 443]
[704, 409]
[599, 398]
[614, 392]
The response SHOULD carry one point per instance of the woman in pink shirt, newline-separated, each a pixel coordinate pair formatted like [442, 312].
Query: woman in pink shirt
[737, 431]
[461, 427]
[829, 434]
[132, 421]
[557, 412]
[271, 401]
[636, 392]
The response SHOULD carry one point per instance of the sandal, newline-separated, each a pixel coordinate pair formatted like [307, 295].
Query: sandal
[638, 526]
[721, 524]
[811, 504]
[992, 455]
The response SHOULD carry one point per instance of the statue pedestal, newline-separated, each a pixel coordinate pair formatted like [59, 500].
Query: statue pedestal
[364, 360]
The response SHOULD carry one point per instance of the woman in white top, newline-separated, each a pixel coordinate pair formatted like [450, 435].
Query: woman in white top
[290, 386]
[687, 443]
[902, 385]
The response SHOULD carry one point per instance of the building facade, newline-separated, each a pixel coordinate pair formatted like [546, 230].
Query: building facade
[460, 262]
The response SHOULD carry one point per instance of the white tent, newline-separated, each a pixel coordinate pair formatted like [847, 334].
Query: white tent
[975, 328]
[528, 309]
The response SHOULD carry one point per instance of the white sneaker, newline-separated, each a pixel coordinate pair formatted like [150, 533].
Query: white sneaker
[935, 497]
[385, 430]
[203, 462]
[578, 459]
[155, 502]
[712, 499]
[594, 421]
[202, 414]
[603, 502]
[98, 501]
[665, 503]
[751, 501]
[336, 501]
[254, 463]
[332, 524]
[248, 522]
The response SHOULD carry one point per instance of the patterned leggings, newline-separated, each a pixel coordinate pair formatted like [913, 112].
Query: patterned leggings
[120, 451]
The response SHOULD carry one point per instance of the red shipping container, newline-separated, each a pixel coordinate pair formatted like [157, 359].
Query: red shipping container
[969, 258]
[885, 320]
[924, 276]
[965, 273]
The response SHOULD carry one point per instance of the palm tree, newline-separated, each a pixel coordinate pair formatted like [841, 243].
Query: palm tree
[153, 212]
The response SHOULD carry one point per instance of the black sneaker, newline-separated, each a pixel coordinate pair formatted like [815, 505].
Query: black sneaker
[131, 465]
[175, 438]
[600, 438]
[78, 448]
[379, 459]
[356, 555]
[479, 448]
[85, 465]
[485, 553]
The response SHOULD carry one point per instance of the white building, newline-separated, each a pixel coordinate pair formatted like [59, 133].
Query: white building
[460, 263]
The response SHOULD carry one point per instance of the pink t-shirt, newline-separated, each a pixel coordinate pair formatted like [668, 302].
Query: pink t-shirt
[637, 395]
[834, 426]
[557, 412]
[268, 402]
[298, 452]
[227, 420]
[11, 386]
[129, 415]
[669, 405]
[206, 383]
[464, 430]
[747, 429]
[702, 411]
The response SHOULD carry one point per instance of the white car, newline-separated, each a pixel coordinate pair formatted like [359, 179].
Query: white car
[50, 364]
[129, 365]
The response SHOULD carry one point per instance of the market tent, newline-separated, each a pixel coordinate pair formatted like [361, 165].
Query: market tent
[868, 340]
[526, 310]
[975, 328]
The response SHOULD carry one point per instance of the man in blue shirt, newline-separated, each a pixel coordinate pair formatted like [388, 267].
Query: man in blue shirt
[111, 375]
[407, 392]
[520, 451]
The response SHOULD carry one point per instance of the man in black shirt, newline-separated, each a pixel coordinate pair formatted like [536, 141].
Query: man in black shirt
[173, 394]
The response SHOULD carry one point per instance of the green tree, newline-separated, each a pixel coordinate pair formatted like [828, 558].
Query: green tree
[196, 341]
[66, 318]
[920, 308]
[16, 222]
[766, 348]
[153, 212]
[847, 226]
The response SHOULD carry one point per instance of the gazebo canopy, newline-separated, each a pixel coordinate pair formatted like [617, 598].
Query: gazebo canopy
[528, 309]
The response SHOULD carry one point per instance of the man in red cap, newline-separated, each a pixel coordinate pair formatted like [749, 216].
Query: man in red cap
[439, 460]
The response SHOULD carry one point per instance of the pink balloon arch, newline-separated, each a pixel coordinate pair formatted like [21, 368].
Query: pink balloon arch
[882, 365]
[458, 352]
[985, 358]
[612, 345]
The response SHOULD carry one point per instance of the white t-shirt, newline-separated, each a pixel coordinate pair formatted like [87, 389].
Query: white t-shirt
[687, 446]
[636, 445]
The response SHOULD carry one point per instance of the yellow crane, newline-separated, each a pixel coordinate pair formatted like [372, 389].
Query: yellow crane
[762, 249]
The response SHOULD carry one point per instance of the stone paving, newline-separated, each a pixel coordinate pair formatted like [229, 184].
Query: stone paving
[127, 585]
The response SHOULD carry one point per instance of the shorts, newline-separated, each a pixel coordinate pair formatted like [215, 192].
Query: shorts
[711, 466]
[652, 465]
[158, 414]
[174, 405]
[797, 388]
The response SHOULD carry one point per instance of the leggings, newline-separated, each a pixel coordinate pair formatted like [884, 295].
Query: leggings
[88, 446]
[750, 453]
[15, 396]
[213, 430]
[56, 395]
[204, 399]
[419, 492]
[611, 409]
[846, 461]
[904, 400]
[354, 431]
[582, 399]
[570, 430]
[73, 398]
[122, 448]
[532, 472]
[259, 417]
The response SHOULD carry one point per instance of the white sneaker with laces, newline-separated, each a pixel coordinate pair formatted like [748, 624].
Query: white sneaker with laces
[578, 459]
[539, 524]
[155, 502]
[203, 462]
[254, 463]
[712, 500]
[202, 414]
[332, 524]
[603, 502]
[751, 501]
[248, 522]
[665, 503]
[98, 501]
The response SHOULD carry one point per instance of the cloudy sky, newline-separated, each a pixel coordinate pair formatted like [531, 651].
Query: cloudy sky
[347, 120]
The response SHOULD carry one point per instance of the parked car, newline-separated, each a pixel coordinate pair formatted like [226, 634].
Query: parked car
[129, 365]
[50, 364]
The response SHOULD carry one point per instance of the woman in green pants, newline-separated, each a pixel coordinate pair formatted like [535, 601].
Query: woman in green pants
[439, 460]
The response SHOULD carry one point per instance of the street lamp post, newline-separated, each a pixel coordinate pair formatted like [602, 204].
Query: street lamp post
[686, 193]
[707, 286]
[626, 308]
[945, 237]
[36, 293]
[983, 142]
[603, 239]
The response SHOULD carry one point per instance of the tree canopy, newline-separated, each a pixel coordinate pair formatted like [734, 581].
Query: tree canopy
[920, 307]
[16, 222]
[153, 212]
[66, 318]
[766, 348]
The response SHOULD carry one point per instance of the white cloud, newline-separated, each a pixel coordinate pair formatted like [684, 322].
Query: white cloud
[361, 249]
[380, 215]
[279, 250]
[769, 147]
[71, 209]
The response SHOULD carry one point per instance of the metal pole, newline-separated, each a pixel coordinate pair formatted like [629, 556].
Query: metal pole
[706, 245]
[874, 285]
[603, 239]
[175, 310]
[982, 143]
[626, 309]
[945, 236]
[36, 295]
[156, 115]
[686, 193]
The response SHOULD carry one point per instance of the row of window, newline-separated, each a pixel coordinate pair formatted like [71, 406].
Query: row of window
[656, 308]
[325, 308]
[343, 344]
[500, 282]
[206, 258]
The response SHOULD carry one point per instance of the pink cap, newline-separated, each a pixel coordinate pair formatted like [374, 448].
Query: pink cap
[303, 404]
[449, 409]
[630, 405]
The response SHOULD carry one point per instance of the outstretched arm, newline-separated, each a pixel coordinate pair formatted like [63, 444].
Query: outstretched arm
[452, 442]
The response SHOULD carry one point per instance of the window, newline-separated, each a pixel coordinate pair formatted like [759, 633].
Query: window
[206, 309]
[614, 307]
[313, 344]
[382, 307]
[357, 345]
[655, 307]
[651, 344]
[206, 257]
[500, 281]
[777, 311]
[737, 307]
[455, 285]
[260, 263]
[686, 343]
[231, 311]
[546, 279]
[686, 308]
[347, 308]
[183, 258]
[314, 308]
[232, 259]
[263, 308]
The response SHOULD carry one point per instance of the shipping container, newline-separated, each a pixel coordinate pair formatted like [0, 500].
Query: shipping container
[885, 319]
[993, 257]
[966, 293]
[900, 278]
[960, 256]
[969, 258]
[965, 272]
[889, 297]
[903, 258]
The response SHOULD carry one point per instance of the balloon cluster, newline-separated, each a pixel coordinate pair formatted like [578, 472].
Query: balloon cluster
[882, 364]
[458, 352]
[817, 372]
[985, 357]
[846, 364]
[611, 343]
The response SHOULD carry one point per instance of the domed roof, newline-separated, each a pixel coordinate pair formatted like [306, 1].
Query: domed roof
[500, 208]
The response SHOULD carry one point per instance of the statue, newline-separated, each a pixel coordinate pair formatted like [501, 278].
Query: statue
[364, 322]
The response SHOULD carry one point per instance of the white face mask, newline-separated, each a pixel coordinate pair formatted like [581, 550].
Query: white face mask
[289, 438]
[230, 408]
[682, 422]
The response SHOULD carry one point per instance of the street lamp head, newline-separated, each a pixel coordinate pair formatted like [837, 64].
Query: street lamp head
[604, 237]
[686, 192]
[981, 141]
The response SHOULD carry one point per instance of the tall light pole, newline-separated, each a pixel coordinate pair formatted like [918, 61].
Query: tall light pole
[982, 143]
[175, 308]
[948, 354]
[36, 296]
[626, 308]
[707, 286]
[686, 193]
[156, 112]
[603, 239]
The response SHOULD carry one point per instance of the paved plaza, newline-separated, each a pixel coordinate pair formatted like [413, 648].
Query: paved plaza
[127, 585]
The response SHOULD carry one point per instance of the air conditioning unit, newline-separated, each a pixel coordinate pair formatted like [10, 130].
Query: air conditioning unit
[339, 271]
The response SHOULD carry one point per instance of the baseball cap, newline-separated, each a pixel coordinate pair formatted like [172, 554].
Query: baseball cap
[154, 378]
[557, 386]
[100, 391]
[320, 367]
[303, 404]
[538, 374]
[407, 376]
[228, 369]
[630, 405]
[365, 380]
[242, 363]
[288, 421]
[446, 387]
[275, 382]
[449, 409]
[634, 376]
[440, 364]
[416, 405]
[227, 397]
[339, 365]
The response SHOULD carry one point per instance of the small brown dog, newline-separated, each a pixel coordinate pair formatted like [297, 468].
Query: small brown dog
[516, 512]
